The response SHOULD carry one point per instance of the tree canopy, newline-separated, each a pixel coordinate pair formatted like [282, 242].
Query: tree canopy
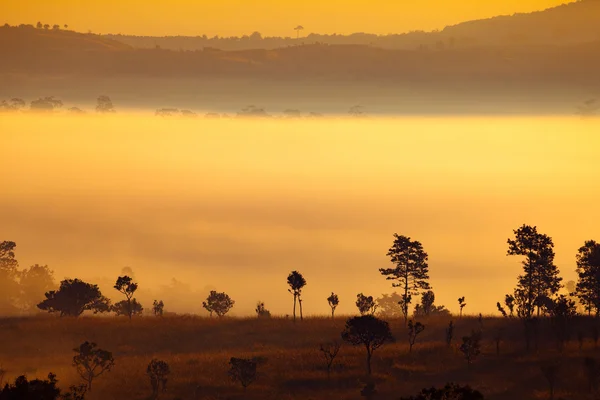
[73, 298]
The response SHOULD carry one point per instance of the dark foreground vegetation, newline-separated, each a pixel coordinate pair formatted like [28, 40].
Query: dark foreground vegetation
[541, 347]
[199, 358]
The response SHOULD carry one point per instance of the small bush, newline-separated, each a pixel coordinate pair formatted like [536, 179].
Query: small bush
[450, 391]
[242, 370]
[157, 371]
[471, 347]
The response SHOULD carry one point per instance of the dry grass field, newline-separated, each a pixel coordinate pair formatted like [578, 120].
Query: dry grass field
[198, 351]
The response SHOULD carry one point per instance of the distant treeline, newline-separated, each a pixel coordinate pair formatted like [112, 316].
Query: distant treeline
[566, 24]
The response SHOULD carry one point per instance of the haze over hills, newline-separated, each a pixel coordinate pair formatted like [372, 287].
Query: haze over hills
[569, 23]
[547, 60]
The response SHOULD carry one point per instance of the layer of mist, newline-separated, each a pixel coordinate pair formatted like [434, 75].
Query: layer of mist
[195, 204]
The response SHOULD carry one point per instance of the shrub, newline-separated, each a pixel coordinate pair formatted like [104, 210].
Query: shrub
[414, 329]
[242, 370]
[91, 362]
[471, 346]
[157, 371]
[448, 392]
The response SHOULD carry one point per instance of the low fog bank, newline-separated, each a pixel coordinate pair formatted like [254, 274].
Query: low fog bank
[329, 98]
[192, 205]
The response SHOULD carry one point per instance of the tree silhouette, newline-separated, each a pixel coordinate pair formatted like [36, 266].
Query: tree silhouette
[365, 304]
[561, 310]
[411, 271]
[540, 277]
[73, 298]
[296, 282]
[129, 306]
[105, 105]
[462, 304]
[55, 27]
[91, 362]
[427, 300]
[36, 389]
[13, 104]
[46, 26]
[389, 305]
[261, 311]
[414, 329]
[33, 283]
[219, 303]
[298, 29]
[471, 346]
[588, 272]
[75, 111]
[330, 351]
[158, 308]
[449, 334]
[357, 111]
[242, 370]
[157, 371]
[333, 302]
[368, 331]
[39, 25]
[9, 287]
[46, 104]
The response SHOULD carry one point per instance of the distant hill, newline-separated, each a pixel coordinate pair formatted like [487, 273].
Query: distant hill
[577, 22]
[27, 38]
[31, 51]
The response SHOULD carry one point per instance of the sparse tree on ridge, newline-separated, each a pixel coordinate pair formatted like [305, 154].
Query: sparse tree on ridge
[333, 302]
[588, 271]
[298, 29]
[296, 282]
[411, 271]
[33, 283]
[540, 277]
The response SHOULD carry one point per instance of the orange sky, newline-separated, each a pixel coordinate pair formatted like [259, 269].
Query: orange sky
[270, 17]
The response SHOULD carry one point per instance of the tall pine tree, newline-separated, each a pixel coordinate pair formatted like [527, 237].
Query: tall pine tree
[411, 271]
[588, 271]
[540, 278]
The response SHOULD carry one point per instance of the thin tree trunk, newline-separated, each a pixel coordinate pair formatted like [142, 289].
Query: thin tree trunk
[332, 311]
[294, 307]
[300, 301]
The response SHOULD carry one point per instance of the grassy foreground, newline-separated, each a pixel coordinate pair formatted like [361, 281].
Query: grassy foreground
[198, 351]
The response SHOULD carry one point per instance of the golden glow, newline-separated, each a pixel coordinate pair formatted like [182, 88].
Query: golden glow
[238, 204]
[270, 17]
